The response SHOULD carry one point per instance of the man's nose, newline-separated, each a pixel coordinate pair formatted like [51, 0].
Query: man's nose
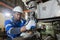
[18, 15]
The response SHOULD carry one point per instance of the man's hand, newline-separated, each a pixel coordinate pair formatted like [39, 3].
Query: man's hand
[28, 26]
[23, 29]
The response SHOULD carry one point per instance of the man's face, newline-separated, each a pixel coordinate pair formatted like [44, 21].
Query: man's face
[17, 16]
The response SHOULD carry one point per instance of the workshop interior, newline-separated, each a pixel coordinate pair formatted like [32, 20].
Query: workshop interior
[46, 13]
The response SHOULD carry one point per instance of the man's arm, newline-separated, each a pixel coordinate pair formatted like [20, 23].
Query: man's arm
[17, 30]
[11, 30]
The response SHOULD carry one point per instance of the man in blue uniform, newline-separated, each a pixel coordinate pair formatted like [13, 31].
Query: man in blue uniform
[15, 26]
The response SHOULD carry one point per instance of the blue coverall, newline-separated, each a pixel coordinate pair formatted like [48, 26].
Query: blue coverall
[12, 27]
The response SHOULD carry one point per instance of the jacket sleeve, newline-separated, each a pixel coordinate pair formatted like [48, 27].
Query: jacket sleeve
[10, 29]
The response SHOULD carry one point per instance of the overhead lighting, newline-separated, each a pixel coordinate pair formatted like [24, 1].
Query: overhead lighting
[7, 14]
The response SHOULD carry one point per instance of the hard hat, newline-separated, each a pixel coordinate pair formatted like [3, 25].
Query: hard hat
[18, 9]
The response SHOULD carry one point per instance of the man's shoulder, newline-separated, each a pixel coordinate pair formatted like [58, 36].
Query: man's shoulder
[23, 20]
[8, 20]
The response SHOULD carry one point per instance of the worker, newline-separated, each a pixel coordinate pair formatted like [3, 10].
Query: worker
[17, 25]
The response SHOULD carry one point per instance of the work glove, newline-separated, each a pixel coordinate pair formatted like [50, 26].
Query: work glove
[30, 24]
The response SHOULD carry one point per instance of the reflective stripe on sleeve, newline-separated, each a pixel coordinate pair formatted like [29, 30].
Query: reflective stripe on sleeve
[9, 31]
[8, 25]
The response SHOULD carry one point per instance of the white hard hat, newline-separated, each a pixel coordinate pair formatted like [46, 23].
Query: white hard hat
[18, 9]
